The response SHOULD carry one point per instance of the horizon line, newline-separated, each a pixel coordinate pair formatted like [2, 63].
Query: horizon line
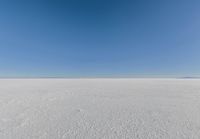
[106, 77]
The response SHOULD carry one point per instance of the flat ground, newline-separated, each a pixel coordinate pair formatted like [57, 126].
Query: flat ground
[99, 108]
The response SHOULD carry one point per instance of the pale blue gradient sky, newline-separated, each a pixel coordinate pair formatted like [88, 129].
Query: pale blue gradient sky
[99, 38]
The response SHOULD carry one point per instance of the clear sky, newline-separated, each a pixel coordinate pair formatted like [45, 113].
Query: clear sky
[99, 38]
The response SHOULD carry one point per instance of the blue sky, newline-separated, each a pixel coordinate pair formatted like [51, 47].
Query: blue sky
[99, 38]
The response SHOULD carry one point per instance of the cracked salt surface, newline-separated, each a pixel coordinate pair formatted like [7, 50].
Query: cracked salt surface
[99, 108]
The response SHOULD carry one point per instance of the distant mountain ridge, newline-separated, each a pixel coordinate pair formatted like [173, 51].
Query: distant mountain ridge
[190, 77]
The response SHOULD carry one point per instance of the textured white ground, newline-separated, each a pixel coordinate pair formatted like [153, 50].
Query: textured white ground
[99, 109]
